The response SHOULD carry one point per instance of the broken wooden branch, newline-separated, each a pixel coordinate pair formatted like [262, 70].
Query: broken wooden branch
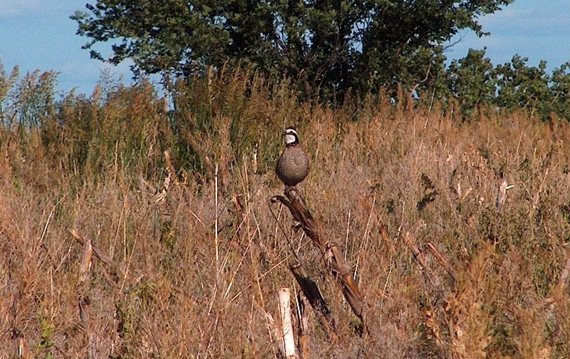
[441, 260]
[335, 262]
[312, 293]
[303, 330]
[419, 256]
[116, 271]
[564, 275]
[502, 193]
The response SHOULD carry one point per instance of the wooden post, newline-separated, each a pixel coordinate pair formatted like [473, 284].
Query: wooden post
[287, 324]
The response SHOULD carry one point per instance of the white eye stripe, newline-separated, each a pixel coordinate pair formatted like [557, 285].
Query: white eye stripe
[291, 131]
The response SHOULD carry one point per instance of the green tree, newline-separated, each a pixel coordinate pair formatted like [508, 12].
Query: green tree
[523, 86]
[560, 90]
[472, 80]
[326, 46]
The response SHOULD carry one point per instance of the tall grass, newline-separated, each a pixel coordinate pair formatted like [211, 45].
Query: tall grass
[96, 165]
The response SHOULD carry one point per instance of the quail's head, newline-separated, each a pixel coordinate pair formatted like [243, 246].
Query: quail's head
[290, 136]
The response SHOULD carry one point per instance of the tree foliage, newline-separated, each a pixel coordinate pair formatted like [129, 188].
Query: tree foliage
[473, 81]
[326, 46]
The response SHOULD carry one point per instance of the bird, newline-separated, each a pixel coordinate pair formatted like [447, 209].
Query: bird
[293, 165]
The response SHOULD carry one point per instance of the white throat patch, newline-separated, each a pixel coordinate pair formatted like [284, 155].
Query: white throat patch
[290, 138]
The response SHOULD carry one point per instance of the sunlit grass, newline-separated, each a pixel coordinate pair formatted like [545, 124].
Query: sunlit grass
[97, 165]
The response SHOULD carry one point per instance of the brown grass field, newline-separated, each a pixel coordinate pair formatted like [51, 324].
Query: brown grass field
[190, 266]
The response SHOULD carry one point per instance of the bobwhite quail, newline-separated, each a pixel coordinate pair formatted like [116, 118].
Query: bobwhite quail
[293, 165]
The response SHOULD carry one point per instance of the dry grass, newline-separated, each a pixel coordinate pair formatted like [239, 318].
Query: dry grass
[183, 290]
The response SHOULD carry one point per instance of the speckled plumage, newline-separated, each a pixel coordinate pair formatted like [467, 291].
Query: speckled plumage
[293, 165]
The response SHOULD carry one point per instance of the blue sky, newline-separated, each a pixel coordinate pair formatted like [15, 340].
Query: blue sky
[38, 34]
